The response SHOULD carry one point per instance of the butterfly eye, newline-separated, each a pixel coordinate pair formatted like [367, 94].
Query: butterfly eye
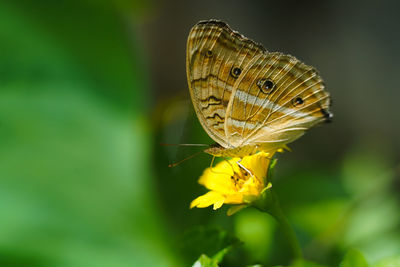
[298, 101]
[235, 72]
[209, 53]
[266, 86]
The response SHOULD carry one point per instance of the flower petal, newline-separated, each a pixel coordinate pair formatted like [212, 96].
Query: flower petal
[258, 164]
[234, 198]
[218, 178]
[207, 199]
[218, 204]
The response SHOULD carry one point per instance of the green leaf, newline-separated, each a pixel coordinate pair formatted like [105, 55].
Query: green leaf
[209, 241]
[205, 261]
[221, 254]
[354, 258]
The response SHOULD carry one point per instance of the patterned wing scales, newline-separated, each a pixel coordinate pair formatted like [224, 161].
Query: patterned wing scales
[216, 56]
[275, 101]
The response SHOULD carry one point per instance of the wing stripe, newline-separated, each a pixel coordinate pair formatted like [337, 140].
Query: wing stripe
[261, 103]
[294, 111]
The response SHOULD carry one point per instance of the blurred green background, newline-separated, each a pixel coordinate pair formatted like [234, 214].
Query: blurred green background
[89, 89]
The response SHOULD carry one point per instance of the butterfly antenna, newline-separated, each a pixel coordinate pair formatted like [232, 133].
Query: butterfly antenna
[185, 159]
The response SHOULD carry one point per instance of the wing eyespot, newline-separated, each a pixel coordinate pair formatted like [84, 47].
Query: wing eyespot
[235, 72]
[266, 86]
[297, 102]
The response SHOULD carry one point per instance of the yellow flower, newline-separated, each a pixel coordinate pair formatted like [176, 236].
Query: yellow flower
[231, 182]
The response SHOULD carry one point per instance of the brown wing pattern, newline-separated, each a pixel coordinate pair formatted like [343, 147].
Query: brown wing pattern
[275, 102]
[216, 56]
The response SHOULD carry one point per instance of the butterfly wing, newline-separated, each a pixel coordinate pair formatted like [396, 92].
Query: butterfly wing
[215, 56]
[274, 101]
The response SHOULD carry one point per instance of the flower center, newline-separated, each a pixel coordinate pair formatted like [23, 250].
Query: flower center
[240, 178]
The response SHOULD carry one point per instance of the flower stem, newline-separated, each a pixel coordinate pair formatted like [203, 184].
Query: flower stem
[269, 203]
[289, 232]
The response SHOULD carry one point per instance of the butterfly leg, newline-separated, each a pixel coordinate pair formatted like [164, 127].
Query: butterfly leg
[212, 162]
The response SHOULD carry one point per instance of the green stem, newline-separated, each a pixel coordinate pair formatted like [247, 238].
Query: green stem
[269, 203]
[289, 232]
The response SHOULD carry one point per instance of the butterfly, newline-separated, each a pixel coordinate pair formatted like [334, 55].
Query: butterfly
[246, 98]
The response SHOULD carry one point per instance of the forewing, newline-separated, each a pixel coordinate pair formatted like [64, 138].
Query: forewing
[215, 54]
